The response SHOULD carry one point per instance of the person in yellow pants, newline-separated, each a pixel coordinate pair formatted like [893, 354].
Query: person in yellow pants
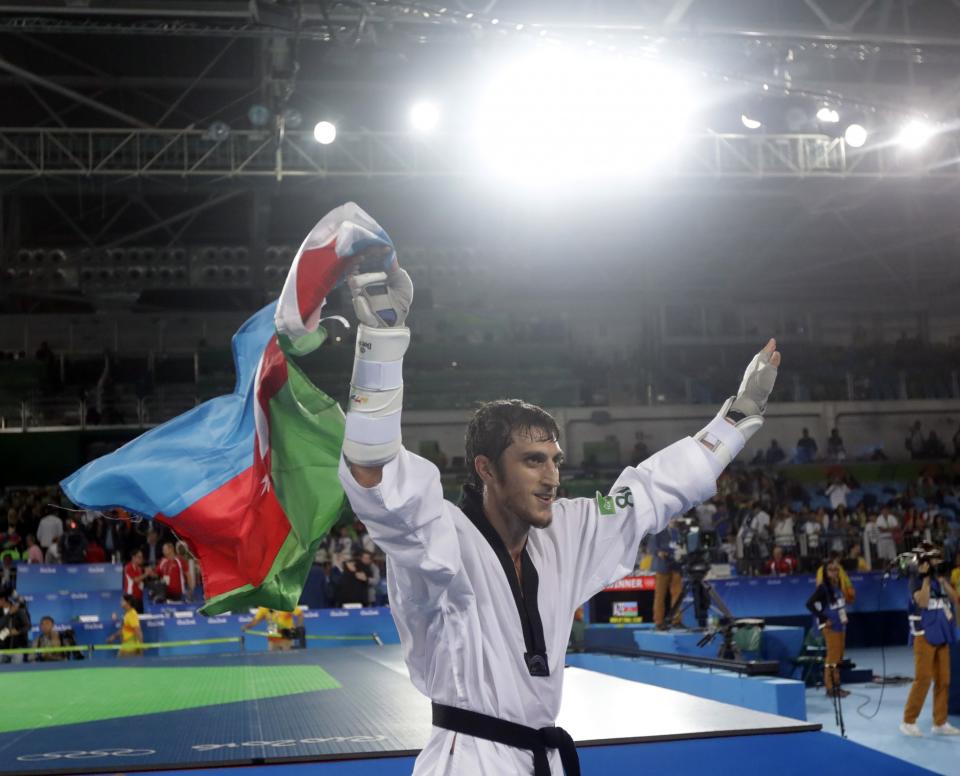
[131, 643]
[933, 630]
[829, 605]
[668, 579]
[279, 626]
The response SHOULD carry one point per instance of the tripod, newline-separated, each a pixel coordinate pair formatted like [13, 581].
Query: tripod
[705, 595]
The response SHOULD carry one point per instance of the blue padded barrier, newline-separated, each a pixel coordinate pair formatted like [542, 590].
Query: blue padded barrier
[771, 694]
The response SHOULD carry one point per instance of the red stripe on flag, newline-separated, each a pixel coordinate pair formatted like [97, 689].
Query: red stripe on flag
[318, 271]
[234, 531]
[273, 373]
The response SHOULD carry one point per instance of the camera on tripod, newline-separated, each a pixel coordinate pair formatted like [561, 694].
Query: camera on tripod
[908, 564]
[693, 548]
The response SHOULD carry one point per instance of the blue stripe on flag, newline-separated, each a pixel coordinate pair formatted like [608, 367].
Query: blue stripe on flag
[174, 465]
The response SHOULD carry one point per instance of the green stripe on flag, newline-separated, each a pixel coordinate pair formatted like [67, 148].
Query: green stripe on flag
[306, 436]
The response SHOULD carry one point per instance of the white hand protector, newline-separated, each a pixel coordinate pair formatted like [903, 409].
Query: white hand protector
[742, 415]
[381, 301]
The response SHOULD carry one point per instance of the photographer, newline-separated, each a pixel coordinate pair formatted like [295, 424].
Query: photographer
[669, 579]
[829, 606]
[933, 630]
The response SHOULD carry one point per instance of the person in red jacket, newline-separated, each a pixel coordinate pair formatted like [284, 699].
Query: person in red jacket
[779, 564]
[133, 576]
[170, 569]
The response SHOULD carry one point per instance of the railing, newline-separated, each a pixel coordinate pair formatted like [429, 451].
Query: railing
[194, 153]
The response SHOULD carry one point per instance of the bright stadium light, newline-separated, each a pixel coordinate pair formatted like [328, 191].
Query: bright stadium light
[915, 134]
[557, 115]
[855, 135]
[425, 116]
[324, 132]
[827, 115]
[750, 123]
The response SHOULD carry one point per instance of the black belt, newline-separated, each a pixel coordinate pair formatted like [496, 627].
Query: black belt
[472, 723]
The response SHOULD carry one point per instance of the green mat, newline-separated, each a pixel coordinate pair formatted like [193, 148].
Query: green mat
[66, 697]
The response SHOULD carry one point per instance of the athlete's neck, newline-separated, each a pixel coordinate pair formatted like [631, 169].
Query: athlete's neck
[512, 530]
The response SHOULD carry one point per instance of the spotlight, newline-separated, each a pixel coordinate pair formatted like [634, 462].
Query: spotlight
[424, 116]
[555, 114]
[827, 115]
[750, 123]
[855, 135]
[324, 132]
[915, 134]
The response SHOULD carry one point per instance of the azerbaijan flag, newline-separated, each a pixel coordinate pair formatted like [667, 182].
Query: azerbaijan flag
[249, 481]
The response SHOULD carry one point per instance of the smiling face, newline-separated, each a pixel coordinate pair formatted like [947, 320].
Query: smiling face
[523, 483]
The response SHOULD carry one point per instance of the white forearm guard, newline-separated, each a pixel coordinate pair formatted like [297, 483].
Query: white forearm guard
[725, 439]
[372, 433]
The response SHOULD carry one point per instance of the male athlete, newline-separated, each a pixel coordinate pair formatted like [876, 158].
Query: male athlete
[484, 592]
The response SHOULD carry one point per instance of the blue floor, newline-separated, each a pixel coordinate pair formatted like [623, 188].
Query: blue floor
[788, 754]
[936, 753]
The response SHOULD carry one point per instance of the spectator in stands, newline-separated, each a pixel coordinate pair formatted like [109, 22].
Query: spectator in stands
[779, 564]
[191, 570]
[640, 450]
[131, 644]
[837, 492]
[48, 638]
[49, 529]
[134, 576]
[956, 444]
[933, 447]
[871, 535]
[8, 575]
[775, 454]
[812, 529]
[344, 544]
[280, 627]
[171, 572]
[955, 573]
[52, 555]
[152, 550]
[783, 530]
[828, 605]
[835, 449]
[914, 527]
[14, 624]
[806, 448]
[668, 580]
[887, 524]
[373, 576]
[330, 576]
[33, 554]
[95, 552]
[73, 543]
[914, 441]
[855, 563]
[352, 588]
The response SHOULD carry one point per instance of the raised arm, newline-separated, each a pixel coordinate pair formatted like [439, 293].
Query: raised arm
[372, 435]
[605, 536]
[396, 494]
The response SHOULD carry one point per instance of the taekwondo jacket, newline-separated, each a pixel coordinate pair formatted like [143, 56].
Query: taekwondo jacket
[471, 638]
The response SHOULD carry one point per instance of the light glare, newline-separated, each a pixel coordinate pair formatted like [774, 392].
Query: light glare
[324, 132]
[750, 123]
[827, 115]
[555, 115]
[855, 135]
[915, 134]
[425, 116]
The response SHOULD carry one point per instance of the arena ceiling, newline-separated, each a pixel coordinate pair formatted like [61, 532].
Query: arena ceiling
[159, 74]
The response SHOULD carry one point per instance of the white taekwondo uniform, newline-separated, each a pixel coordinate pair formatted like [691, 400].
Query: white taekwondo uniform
[472, 637]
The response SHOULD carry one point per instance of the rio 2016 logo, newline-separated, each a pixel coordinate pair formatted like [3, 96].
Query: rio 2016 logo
[80, 754]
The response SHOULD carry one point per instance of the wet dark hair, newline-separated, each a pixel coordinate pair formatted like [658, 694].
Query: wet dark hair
[492, 427]
[130, 600]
